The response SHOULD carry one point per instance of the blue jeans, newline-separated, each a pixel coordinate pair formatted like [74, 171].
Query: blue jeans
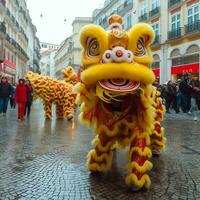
[194, 106]
[3, 104]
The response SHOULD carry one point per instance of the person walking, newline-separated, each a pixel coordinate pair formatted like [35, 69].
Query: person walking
[5, 92]
[169, 95]
[29, 94]
[195, 95]
[185, 89]
[12, 97]
[21, 98]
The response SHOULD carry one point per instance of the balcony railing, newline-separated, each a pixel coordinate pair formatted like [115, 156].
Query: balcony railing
[193, 27]
[126, 6]
[156, 40]
[143, 17]
[16, 45]
[2, 27]
[3, 2]
[175, 34]
[154, 12]
[173, 3]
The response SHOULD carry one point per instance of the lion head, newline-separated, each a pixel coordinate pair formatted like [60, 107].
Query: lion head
[116, 63]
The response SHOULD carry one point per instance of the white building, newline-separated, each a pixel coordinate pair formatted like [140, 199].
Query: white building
[48, 46]
[16, 37]
[176, 23]
[47, 63]
[69, 53]
[125, 8]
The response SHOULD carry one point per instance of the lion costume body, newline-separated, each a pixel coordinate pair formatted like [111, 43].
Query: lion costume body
[117, 97]
[51, 90]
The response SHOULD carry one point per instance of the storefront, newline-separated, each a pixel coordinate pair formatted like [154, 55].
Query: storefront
[8, 69]
[178, 71]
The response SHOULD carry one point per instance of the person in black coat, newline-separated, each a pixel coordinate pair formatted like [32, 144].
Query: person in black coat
[5, 92]
[185, 89]
[29, 98]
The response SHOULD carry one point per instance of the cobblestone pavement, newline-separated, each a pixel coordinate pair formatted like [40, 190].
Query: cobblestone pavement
[46, 160]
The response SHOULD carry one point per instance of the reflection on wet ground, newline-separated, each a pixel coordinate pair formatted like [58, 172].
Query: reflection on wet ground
[43, 159]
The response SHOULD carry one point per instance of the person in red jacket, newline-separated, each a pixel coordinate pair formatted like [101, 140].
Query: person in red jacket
[21, 98]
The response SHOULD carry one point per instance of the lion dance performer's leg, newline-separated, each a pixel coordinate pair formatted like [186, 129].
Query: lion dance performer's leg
[100, 158]
[47, 109]
[157, 138]
[139, 154]
[59, 111]
[69, 106]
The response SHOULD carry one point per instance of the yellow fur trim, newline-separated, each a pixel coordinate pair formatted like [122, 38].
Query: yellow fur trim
[129, 71]
[147, 166]
[145, 152]
[133, 180]
[103, 156]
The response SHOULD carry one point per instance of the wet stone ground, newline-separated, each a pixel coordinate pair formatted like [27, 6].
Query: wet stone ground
[46, 160]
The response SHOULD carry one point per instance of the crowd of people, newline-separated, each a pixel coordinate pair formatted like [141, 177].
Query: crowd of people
[181, 95]
[21, 94]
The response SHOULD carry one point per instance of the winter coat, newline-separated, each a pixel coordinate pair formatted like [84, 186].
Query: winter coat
[185, 87]
[5, 90]
[29, 93]
[21, 94]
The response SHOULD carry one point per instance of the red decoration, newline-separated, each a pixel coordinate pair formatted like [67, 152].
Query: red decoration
[190, 68]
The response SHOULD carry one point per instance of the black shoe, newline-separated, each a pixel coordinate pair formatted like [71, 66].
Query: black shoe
[168, 112]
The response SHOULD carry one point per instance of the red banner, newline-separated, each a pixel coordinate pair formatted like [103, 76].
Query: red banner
[190, 68]
[9, 64]
[156, 72]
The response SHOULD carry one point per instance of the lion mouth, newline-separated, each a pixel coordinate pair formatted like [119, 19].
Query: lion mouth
[115, 91]
[119, 85]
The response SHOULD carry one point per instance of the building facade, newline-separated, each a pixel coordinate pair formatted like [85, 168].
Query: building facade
[125, 8]
[48, 46]
[47, 62]
[16, 39]
[176, 49]
[69, 53]
[47, 51]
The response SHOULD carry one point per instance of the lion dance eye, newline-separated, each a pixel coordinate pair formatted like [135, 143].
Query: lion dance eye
[140, 49]
[107, 56]
[92, 47]
[129, 56]
[119, 54]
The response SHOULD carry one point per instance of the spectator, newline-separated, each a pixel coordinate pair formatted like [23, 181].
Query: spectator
[169, 95]
[5, 92]
[12, 97]
[195, 95]
[29, 98]
[185, 89]
[21, 98]
[178, 97]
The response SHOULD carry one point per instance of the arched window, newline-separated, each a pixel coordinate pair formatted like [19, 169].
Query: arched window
[156, 62]
[192, 54]
[176, 57]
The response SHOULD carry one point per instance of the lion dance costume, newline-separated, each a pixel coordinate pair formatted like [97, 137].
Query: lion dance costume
[51, 90]
[118, 99]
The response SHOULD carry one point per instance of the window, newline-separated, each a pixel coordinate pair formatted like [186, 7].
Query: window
[176, 21]
[143, 9]
[155, 27]
[129, 21]
[155, 4]
[193, 14]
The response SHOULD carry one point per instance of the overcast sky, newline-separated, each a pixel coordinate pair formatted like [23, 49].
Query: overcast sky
[51, 26]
